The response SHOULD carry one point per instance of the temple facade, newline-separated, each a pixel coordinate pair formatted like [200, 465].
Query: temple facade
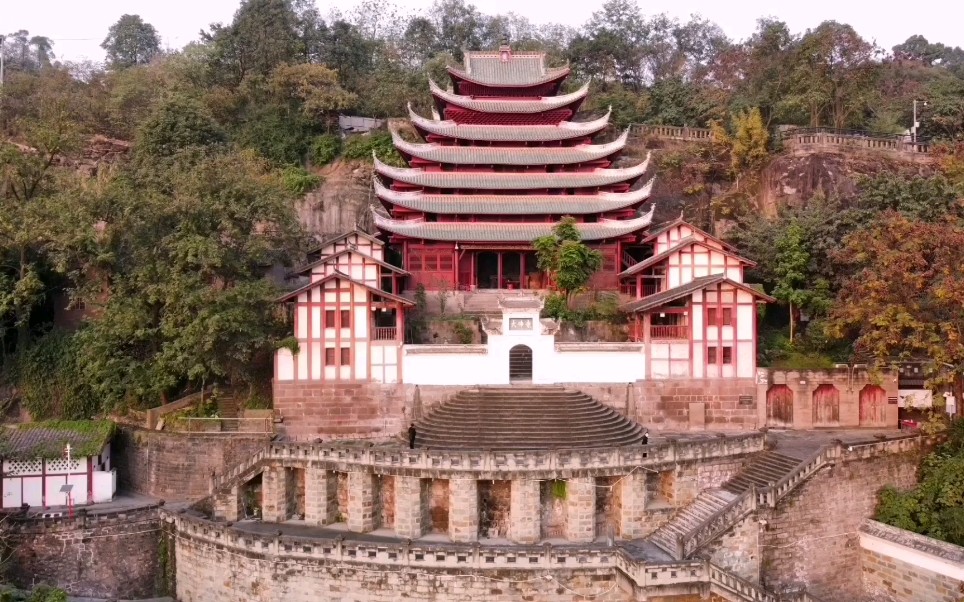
[499, 164]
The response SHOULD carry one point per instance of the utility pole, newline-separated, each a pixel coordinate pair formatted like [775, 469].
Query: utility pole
[916, 124]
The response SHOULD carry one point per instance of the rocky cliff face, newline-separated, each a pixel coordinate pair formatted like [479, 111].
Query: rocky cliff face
[341, 202]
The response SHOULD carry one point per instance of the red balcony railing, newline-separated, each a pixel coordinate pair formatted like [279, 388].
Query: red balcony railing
[675, 331]
[384, 333]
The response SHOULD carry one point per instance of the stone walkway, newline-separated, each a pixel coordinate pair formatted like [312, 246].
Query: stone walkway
[803, 444]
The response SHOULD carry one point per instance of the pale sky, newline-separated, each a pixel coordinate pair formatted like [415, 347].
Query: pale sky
[78, 27]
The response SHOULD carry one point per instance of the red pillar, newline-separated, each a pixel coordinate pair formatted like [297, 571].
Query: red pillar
[399, 322]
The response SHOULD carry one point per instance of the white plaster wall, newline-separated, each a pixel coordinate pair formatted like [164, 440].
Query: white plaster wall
[452, 368]
[594, 367]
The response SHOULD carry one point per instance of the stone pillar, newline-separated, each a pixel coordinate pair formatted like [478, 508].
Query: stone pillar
[227, 504]
[463, 509]
[581, 509]
[361, 501]
[321, 495]
[408, 507]
[525, 512]
[632, 511]
[274, 495]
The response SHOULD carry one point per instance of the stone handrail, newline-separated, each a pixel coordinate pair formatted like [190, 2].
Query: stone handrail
[717, 524]
[769, 496]
[672, 132]
[854, 140]
[484, 462]
[155, 414]
[469, 557]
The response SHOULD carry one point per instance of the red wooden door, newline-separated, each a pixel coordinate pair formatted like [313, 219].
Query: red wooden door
[826, 406]
[779, 406]
[873, 400]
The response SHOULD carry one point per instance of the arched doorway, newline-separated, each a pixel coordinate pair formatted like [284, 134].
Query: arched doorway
[826, 406]
[779, 406]
[873, 400]
[520, 363]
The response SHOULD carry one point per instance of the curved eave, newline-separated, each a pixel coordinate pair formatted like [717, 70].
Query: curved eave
[506, 232]
[550, 76]
[490, 105]
[510, 133]
[479, 204]
[489, 155]
[510, 181]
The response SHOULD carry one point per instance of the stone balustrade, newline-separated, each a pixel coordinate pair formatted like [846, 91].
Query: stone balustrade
[670, 132]
[495, 464]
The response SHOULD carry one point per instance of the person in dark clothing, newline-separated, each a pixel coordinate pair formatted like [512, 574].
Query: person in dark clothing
[645, 437]
[411, 436]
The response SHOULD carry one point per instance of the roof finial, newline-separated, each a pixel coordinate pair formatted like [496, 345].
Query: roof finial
[505, 51]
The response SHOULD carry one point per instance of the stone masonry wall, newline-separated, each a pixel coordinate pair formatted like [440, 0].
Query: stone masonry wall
[811, 539]
[177, 466]
[738, 550]
[886, 579]
[116, 555]
[240, 578]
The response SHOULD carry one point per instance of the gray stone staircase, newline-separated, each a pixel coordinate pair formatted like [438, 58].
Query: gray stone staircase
[716, 510]
[482, 303]
[524, 418]
[690, 517]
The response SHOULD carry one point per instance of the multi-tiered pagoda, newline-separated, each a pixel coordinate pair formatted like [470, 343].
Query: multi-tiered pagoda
[501, 163]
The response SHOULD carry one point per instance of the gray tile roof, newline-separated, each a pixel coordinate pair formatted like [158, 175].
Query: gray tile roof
[503, 105]
[510, 133]
[663, 297]
[522, 69]
[501, 155]
[506, 232]
[682, 243]
[489, 180]
[505, 204]
[36, 440]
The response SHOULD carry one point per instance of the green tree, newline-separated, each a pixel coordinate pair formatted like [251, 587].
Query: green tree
[178, 124]
[131, 42]
[796, 285]
[565, 259]
[750, 141]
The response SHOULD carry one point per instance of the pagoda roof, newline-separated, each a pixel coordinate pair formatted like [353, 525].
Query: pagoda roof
[507, 105]
[495, 155]
[520, 70]
[498, 180]
[496, 204]
[565, 130]
[506, 232]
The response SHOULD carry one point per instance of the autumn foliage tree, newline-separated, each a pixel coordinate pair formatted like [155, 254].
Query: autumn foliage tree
[567, 261]
[903, 296]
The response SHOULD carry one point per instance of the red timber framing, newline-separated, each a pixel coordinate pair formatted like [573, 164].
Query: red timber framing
[337, 325]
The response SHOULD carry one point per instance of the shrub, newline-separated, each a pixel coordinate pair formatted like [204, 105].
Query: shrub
[360, 148]
[299, 181]
[463, 334]
[325, 148]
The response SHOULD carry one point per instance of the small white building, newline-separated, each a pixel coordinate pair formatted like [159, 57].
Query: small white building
[35, 464]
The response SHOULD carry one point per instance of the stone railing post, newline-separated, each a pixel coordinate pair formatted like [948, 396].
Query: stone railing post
[361, 501]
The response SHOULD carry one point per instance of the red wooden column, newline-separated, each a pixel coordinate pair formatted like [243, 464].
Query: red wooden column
[399, 323]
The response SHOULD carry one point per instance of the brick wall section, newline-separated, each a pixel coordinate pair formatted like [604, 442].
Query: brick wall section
[317, 410]
[738, 550]
[810, 540]
[361, 501]
[207, 574]
[115, 556]
[463, 508]
[525, 512]
[632, 505]
[887, 579]
[409, 510]
[321, 495]
[274, 494]
[581, 509]
[177, 466]
[667, 404]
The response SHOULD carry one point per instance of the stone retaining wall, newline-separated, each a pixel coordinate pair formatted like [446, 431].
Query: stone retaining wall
[113, 555]
[177, 466]
[900, 566]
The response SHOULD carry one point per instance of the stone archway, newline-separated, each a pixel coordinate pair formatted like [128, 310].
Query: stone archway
[873, 402]
[826, 406]
[779, 406]
[520, 363]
